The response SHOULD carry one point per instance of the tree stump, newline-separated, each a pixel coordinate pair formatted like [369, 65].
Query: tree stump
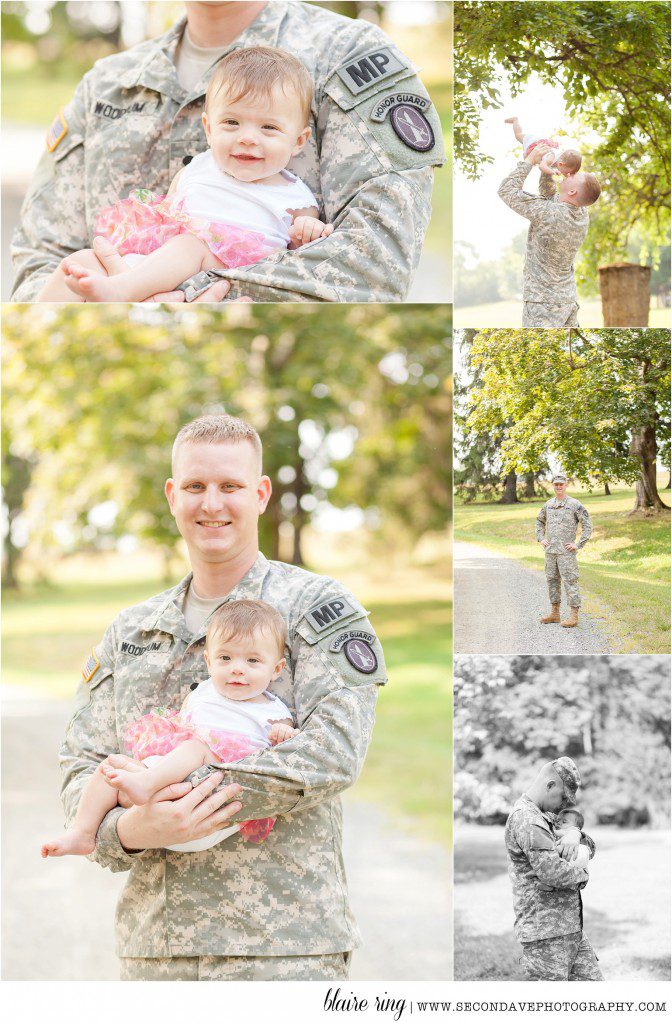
[625, 292]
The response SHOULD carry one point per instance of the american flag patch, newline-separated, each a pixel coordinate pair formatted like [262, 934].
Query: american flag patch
[90, 666]
[57, 132]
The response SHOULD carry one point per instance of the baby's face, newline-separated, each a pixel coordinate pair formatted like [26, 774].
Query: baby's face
[565, 821]
[253, 141]
[243, 669]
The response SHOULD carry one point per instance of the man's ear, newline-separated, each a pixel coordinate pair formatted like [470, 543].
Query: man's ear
[301, 140]
[264, 490]
[169, 491]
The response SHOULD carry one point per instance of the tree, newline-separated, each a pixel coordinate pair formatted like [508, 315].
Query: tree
[598, 400]
[612, 61]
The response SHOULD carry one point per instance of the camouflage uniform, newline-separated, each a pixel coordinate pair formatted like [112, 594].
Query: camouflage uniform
[558, 520]
[286, 897]
[557, 231]
[549, 923]
[376, 137]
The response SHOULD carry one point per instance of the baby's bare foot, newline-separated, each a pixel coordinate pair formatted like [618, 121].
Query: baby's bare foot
[510, 120]
[133, 784]
[91, 286]
[77, 843]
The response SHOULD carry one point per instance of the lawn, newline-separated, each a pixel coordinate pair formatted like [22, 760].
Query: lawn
[508, 314]
[49, 631]
[625, 567]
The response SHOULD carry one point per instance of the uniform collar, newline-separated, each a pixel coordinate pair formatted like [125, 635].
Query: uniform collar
[157, 70]
[169, 618]
[559, 504]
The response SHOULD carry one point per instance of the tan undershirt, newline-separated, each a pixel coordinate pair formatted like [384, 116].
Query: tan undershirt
[197, 610]
[191, 61]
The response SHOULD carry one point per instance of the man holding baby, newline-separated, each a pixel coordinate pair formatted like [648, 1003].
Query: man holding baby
[236, 911]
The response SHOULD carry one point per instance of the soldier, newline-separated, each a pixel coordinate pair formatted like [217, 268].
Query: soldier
[236, 911]
[556, 532]
[558, 227]
[135, 119]
[549, 924]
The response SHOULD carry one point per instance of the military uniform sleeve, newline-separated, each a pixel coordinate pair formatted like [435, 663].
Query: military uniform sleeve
[338, 666]
[92, 735]
[545, 861]
[583, 517]
[511, 192]
[376, 184]
[547, 187]
[587, 841]
[53, 215]
[540, 529]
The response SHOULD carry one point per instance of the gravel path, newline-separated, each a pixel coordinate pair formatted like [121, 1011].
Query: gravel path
[498, 603]
[58, 915]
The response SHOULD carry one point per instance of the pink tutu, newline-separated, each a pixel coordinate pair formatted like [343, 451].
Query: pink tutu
[146, 221]
[541, 142]
[162, 730]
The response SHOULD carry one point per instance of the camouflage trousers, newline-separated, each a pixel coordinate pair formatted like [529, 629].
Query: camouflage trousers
[322, 967]
[563, 958]
[566, 568]
[540, 314]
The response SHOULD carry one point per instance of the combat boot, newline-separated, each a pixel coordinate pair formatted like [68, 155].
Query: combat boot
[554, 615]
[573, 619]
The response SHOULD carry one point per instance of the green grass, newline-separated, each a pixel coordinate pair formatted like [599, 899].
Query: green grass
[624, 568]
[49, 631]
[508, 314]
[33, 96]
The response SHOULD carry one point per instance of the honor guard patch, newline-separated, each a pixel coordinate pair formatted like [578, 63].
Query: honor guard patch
[361, 656]
[412, 127]
[328, 613]
[90, 666]
[384, 106]
[362, 72]
[351, 634]
[57, 132]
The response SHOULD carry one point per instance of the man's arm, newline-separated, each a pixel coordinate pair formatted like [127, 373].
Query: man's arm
[540, 529]
[545, 861]
[547, 187]
[583, 517]
[511, 192]
[53, 215]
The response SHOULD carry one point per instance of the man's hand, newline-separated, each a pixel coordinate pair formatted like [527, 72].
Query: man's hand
[307, 229]
[215, 293]
[569, 546]
[537, 153]
[179, 814]
[544, 542]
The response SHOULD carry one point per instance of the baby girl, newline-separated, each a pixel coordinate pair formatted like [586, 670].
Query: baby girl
[230, 206]
[228, 716]
[566, 163]
[569, 821]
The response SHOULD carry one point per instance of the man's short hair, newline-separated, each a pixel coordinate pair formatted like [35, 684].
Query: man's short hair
[219, 428]
[588, 189]
[242, 619]
[255, 71]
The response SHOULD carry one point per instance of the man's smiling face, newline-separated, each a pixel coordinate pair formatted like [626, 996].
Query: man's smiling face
[560, 489]
[216, 495]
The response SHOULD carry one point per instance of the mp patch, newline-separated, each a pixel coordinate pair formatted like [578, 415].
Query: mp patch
[328, 613]
[384, 106]
[90, 666]
[358, 75]
[412, 127]
[351, 634]
[57, 132]
[361, 656]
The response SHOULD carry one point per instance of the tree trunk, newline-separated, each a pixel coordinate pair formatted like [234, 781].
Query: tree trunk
[300, 488]
[668, 485]
[643, 445]
[509, 496]
[529, 491]
[10, 558]
[624, 288]
[606, 488]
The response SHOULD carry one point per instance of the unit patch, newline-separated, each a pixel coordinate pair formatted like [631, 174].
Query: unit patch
[361, 656]
[351, 634]
[57, 132]
[328, 613]
[412, 127]
[357, 75]
[90, 666]
[382, 109]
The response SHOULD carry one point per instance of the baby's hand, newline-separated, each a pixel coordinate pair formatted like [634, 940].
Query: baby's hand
[281, 732]
[307, 229]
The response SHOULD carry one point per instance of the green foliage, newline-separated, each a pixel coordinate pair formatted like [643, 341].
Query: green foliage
[612, 61]
[95, 395]
[612, 715]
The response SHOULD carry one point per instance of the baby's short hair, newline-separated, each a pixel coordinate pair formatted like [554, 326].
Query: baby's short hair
[576, 814]
[242, 619]
[255, 71]
[588, 189]
[572, 158]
